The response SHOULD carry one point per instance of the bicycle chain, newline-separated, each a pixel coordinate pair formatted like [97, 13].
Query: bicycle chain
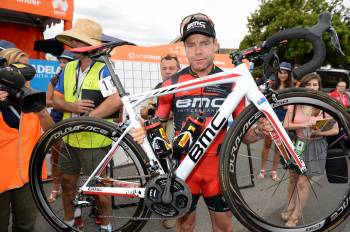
[82, 179]
[137, 218]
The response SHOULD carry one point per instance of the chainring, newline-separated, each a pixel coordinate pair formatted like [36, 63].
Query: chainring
[181, 197]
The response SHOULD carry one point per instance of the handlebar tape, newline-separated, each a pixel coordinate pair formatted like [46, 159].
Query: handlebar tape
[311, 34]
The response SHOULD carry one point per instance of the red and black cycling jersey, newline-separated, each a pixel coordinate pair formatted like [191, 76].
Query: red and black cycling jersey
[206, 100]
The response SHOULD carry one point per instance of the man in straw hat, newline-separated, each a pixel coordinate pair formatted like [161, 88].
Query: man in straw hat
[80, 77]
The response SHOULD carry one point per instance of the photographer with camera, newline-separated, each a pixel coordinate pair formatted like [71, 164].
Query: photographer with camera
[22, 116]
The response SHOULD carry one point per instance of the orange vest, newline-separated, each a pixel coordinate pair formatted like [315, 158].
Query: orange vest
[15, 150]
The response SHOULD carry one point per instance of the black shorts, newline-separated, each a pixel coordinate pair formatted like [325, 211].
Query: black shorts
[216, 203]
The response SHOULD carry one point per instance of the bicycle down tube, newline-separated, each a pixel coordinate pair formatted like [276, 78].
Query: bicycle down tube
[244, 87]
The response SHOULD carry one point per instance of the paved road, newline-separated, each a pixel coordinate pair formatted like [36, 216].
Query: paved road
[203, 224]
[257, 201]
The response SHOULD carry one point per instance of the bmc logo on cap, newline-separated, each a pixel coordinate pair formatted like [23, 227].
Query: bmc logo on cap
[195, 24]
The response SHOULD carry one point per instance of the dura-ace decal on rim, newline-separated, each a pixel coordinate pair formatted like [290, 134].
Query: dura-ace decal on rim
[81, 128]
[238, 139]
[337, 213]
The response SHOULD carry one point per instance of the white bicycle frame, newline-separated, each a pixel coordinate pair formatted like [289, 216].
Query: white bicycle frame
[245, 86]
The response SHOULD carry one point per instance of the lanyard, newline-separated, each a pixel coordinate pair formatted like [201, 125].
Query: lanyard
[77, 89]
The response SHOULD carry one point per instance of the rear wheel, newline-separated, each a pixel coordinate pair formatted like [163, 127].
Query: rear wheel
[320, 199]
[128, 164]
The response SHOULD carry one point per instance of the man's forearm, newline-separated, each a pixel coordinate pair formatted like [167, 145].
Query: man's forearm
[46, 121]
[60, 104]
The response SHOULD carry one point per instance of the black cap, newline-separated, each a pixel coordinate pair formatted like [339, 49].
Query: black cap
[195, 26]
[67, 55]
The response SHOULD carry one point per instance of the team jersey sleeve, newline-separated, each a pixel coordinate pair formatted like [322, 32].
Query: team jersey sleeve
[60, 84]
[104, 73]
[164, 103]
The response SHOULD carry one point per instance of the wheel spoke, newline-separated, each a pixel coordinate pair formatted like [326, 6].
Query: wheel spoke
[314, 197]
[126, 167]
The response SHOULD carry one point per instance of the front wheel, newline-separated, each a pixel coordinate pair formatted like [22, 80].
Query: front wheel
[316, 201]
[74, 148]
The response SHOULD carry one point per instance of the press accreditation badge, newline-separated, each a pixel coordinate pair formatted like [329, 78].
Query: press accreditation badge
[300, 147]
[107, 87]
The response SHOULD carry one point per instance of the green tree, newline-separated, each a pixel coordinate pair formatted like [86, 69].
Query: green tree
[275, 15]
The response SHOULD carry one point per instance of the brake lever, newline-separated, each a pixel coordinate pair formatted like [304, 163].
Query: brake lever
[335, 40]
[236, 58]
[271, 64]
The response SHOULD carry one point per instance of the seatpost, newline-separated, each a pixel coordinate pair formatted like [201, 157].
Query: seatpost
[115, 78]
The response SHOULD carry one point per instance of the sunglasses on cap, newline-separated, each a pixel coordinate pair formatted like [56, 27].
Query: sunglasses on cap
[198, 16]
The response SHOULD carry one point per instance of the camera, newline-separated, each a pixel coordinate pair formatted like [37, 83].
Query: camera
[12, 80]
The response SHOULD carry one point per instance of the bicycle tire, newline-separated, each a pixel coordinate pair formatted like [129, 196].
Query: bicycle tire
[252, 206]
[52, 212]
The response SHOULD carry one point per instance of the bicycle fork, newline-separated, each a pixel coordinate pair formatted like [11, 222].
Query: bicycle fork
[284, 144]
[280, 137]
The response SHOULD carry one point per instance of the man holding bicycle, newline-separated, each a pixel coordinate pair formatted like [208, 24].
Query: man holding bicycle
[198, 35]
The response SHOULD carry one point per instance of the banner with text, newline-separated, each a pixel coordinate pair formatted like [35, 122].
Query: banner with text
[137, 67]
[45, 70]
[154, 54]
[61, 9]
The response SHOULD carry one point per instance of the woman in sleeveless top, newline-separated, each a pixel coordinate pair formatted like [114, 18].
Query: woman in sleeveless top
[312, 146]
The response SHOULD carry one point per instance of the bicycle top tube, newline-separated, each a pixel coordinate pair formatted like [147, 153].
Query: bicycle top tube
[229, 76]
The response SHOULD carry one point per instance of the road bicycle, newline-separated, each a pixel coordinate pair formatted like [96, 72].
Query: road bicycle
[141, 187]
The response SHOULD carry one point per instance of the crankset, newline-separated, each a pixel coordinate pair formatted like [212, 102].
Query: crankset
[181, 197]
